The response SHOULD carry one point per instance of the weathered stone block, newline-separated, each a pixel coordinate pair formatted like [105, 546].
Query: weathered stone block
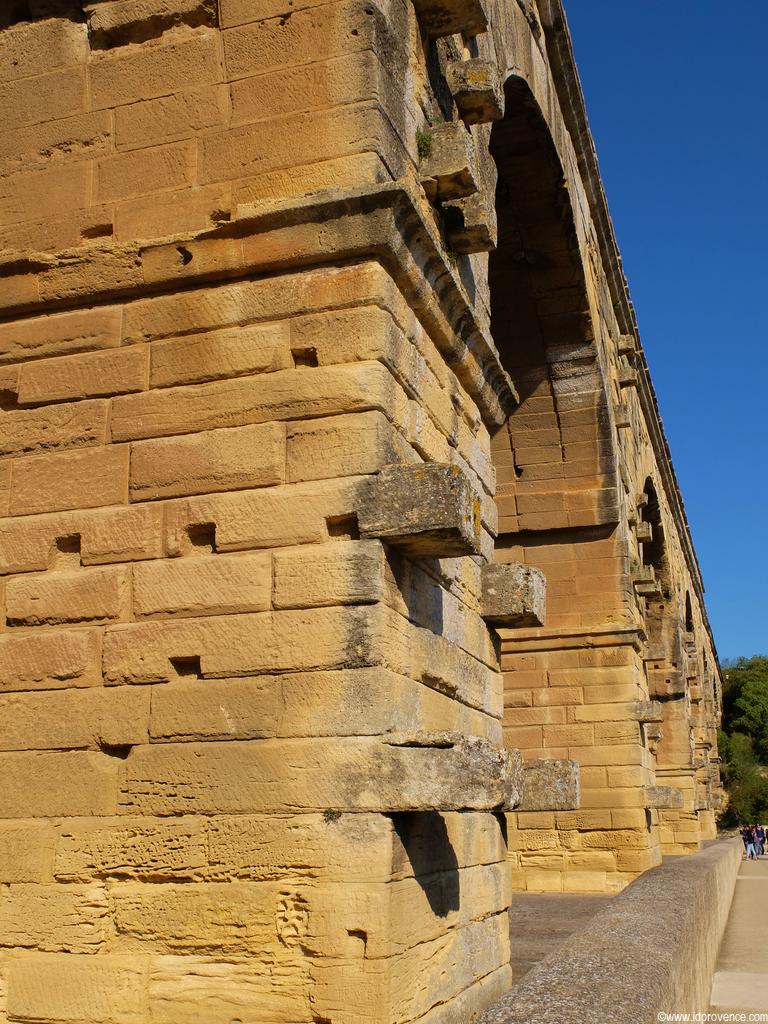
[120, 534]
[271, 517]
[60, 987]
[145, 848]
[146, 170]
[342, 572]
[663, 797]
[79, 425]
[440, 771]
[476, 89]
[470, 224]
[237, 352]
[648, 711]
[39, 784]
[550, 784]
[168, 118]
[352, 702]
[55, 918]
[217, 460]
[513, 595]
[55, 43]
[428, 510]
[67, 480]
[230, 645]
[448, 168]
[83, 376]
[447, 17]
[26, 852]
[344, 445]
[118, 24]
[92, 595]
[47, 660]
[126, 74]
[285, 394]
[666, 683]
[63, 719]
[205, 585]
[202, 990]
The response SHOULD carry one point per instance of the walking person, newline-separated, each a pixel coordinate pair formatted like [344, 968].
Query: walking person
[748, 838]
[760, 839]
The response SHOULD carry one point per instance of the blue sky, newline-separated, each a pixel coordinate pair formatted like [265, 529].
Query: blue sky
[677, 97]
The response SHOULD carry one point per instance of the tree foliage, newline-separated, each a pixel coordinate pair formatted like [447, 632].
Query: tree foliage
[743, 739]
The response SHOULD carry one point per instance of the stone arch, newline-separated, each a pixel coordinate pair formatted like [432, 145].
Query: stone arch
[653, 545]
[689, 623]
[555, 455]
[663, 625]
[557, 490]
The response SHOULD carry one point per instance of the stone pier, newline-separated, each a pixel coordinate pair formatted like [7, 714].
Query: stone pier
[346, 583]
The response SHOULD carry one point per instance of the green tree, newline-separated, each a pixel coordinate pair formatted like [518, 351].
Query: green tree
[747, 789]
[743, 740]
[745, 701]
[752, 720]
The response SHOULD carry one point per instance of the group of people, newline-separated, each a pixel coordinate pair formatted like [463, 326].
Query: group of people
[753, 837]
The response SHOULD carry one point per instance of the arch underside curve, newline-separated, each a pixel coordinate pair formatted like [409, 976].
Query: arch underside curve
[555, 456]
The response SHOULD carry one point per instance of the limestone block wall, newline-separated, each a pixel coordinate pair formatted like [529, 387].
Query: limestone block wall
[124, 121]
[616, 677]
[217, 699]
[251, 751]
[307, 318]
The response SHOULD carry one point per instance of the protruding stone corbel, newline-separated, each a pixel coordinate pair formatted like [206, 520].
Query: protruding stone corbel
[550, 784]
[648, 711]
[689, 641]
[470, 224]
[476, 90]
[622, 416]
[655, 652]
[645, 583]
[429, 510]
[644, 532]
[628, 377]
[666, 683]
[626, 346]
[446, 17]
[663, 798]
[513, 596]
[448, 168]
[448, 771]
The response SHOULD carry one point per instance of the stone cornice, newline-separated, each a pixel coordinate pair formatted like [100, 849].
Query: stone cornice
[571, 99]
[382, 223]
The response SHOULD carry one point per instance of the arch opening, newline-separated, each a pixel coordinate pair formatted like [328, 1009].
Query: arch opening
[555, 455]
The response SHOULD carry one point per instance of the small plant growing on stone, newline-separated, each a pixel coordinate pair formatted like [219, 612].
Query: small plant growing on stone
[330, 816]
[423, 143]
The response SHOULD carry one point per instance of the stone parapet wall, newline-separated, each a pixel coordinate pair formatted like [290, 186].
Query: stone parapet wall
[651, 950]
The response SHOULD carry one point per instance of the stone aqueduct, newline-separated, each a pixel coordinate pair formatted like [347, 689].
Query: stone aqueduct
[317, 362]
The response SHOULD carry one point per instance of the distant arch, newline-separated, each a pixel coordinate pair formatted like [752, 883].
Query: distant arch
[689, 624]
[559, 441]
[652, 539]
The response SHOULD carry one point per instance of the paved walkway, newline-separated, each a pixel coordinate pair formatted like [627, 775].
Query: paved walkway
[740, 984]
[540, 922]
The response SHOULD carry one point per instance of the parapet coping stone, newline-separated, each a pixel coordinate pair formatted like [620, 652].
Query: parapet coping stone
[652, 949]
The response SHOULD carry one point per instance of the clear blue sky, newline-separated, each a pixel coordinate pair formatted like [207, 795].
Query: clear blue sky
[677, 98]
